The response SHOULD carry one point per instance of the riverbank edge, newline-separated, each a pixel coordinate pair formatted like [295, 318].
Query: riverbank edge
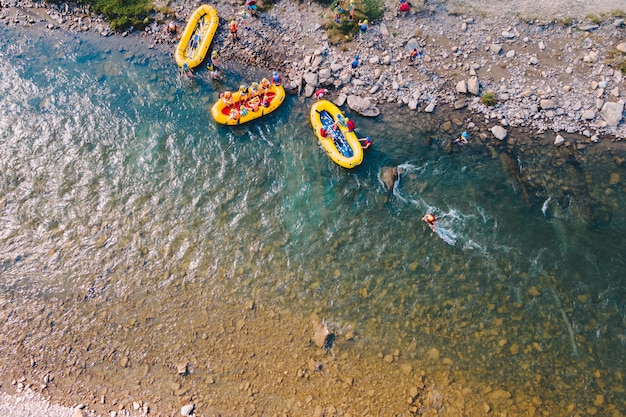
[447, 80]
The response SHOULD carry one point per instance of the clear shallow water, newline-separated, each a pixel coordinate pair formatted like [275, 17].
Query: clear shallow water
[113, 177]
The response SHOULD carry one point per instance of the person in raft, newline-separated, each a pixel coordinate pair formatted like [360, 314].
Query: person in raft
[243, 93]
[276, 79]
[319, 94]
[431, 221]
[331, 129]
[234, 114]
[227, 98]
[366, 142]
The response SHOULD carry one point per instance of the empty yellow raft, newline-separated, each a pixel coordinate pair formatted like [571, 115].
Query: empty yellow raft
[197, 36]
[251, 109]
[341, 144]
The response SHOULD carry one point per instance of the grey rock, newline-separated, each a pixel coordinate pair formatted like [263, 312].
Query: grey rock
[473, 86]
[187, 410]
[411, 44]
[546, 104]
[340, 100]
[588, 115]
[495, 48]
[559, 140]
[612, 112]
[430, 108]
[499, 132]
[311, 78]
[461, 87]
[460, 104]
[363, 106]
[588, 28]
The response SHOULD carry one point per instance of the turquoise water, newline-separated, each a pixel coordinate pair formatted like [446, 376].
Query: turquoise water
[113, 177]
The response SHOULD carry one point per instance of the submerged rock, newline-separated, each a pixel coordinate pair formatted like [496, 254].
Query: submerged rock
[323, 335]
[388, 176]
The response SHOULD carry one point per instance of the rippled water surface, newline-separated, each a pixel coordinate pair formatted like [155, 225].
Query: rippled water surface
[113, 177]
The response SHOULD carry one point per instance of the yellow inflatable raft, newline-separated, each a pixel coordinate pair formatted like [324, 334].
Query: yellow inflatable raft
[231, 110]
[341, 144]
[197, 36]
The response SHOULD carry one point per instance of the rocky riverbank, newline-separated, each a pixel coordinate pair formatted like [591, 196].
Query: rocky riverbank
[558, 75]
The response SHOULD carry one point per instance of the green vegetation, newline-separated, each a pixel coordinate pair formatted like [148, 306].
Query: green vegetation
[122, 14]
[596, 20]
[346, 30]
[488, 99]
[616, 59]
[567, 21]
[618, 13]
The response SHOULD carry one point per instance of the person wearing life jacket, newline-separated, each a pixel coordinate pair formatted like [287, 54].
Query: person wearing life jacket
[254, 103]
[431, 221]
[186, 71]
[350, 125]
[227, 98]
[404, 6]
[352, 10]
[233, 29]
[234, 114]
[243, 93]
[319, 94]
[366, 142]
[276, 79]
[172, 29]
[213, 72]
[215, 60]
[254, 90]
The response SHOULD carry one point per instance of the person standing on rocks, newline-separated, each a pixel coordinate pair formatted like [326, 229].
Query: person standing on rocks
[233, 29]
[362, 28]
[352, 10]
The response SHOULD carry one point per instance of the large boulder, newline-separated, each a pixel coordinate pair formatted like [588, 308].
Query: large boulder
[612, 112]
[311, 78]
[362, 106]
[499, 132]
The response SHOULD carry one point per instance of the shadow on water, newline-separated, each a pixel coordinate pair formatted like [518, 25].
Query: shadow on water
[118, 189]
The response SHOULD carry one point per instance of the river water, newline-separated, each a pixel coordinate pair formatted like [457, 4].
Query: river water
[116, 185]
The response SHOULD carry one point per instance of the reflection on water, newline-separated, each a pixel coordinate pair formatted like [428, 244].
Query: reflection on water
[115, 186]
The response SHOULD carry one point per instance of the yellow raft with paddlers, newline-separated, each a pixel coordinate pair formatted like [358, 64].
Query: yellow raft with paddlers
[248, 103]
[197, 36]
[340, 143]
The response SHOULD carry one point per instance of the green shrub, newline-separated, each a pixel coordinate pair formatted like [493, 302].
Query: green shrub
[373, 9]
[488, 99]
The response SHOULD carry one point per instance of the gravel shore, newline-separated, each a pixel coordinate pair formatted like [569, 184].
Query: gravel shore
[551, 72]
